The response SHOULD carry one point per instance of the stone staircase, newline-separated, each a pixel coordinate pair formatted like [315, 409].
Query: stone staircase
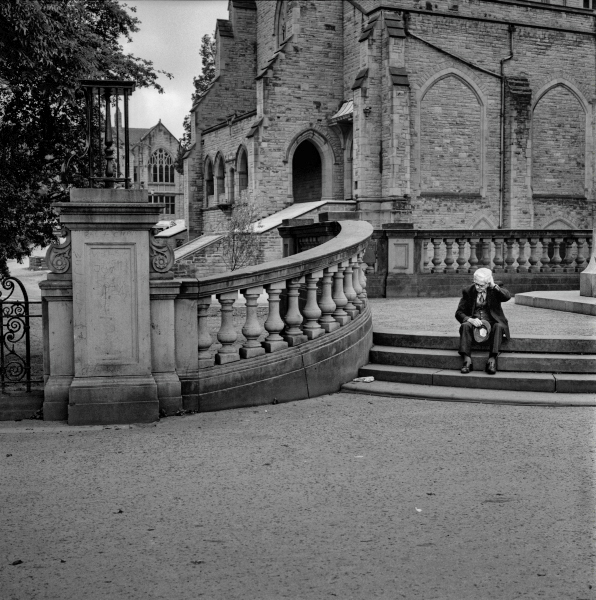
[533, 369]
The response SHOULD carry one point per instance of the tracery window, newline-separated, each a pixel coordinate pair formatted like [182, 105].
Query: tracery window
[161, 167]
[281, 16]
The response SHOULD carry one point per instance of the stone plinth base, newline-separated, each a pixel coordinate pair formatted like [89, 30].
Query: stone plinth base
[587, 280]
[274, 346]
[224, 359]
[251, 352]
[331, 326]
[169, 392]
[56, 395]
[113, 400]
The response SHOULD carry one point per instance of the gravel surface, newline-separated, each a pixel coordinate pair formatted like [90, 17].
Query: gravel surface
[341, 496]
[438, 314]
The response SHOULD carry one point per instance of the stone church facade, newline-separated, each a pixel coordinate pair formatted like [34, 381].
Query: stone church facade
[442, 113]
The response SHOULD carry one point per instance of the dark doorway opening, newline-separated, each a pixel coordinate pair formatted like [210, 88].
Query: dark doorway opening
[307, 173]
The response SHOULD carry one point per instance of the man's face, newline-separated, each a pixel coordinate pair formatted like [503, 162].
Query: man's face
[480, 287]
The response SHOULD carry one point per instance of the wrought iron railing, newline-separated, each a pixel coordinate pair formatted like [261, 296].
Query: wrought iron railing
[19, 368]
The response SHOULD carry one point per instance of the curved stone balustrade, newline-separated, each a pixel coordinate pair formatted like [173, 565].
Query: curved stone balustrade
[318, 329]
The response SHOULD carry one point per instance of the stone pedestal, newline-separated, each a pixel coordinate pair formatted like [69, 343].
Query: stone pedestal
[587, 279]
[58, 360]
[113, 381]
[163, 344]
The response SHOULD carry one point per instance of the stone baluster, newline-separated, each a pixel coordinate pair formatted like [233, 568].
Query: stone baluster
[534, 259]
[545, 259]
[569, 260]
[580, 259]
[311, 311]
[227, 335]
[485, 252]
[425, 259]
[252, 328]
[362, 270]
[293, 334]
[509, 258]
[449, 260]
[205, 341]
[556, 260]
[437, 260]
[522, 261]
[349, 290]
[357, 302]
[473, 260]
[339, 297]
[326, 304]
[274, 323]
[461, 257]
[499, 259]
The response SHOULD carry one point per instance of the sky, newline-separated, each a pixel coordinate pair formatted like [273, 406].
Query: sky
[170, 36]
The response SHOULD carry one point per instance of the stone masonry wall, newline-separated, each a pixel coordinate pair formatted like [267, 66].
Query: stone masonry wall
[430, 151]
[234, 91]
[545, 57]
[450, 137]
[558, 144]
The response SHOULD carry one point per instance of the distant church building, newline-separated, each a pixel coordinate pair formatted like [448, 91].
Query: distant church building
[442, 114]
[152, 159]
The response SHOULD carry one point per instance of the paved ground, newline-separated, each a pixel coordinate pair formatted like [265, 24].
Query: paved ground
[337, 497]
[342, 496]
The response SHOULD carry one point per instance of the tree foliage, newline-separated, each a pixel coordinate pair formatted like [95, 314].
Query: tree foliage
[240, 246]
[201, 84]
[46, 46]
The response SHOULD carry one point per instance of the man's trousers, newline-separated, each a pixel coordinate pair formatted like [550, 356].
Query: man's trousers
[466, 337]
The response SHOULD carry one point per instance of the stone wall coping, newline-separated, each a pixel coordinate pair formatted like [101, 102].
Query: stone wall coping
[110, 216]
[483, 233]
[351, 239]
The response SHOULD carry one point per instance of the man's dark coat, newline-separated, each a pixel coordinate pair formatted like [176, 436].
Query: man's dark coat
[493, 297]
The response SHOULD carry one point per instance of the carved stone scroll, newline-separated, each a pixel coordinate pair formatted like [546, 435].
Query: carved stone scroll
[58, 256]
[161, 256]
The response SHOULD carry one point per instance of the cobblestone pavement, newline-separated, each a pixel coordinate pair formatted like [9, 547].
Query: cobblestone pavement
[341, 496]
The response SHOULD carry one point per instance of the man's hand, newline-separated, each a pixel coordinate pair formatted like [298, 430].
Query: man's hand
[475, 322]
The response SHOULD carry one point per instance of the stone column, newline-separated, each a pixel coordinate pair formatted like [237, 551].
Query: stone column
[58, 354]
[112, 380]
[187, 342]
[163, 344]
[587, 279]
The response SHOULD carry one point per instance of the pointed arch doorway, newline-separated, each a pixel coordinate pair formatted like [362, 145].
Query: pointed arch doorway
[307, 173]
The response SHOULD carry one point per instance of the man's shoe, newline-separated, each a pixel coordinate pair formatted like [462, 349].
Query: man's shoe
[467, 366]
[491, 366]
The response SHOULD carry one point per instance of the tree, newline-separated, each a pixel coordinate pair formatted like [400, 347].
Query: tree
[201, 83]
[45, 48]
[240, 246]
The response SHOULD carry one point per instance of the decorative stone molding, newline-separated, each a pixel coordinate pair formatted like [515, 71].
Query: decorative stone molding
[161, 256]
[58, 256]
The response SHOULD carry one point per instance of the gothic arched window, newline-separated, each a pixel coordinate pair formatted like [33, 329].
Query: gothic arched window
[161, 167]
[281, 15]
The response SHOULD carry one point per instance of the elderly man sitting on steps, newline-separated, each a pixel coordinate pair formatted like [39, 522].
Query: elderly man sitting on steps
[481, 305]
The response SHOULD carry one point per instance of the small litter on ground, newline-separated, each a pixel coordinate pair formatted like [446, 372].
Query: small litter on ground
[363, 380]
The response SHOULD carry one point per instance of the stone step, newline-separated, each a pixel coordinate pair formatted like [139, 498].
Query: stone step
[510, 361]
[522, 382]
[384, 336]
[460, 394]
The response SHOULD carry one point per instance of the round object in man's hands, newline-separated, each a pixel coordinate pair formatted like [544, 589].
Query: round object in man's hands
[482, 333]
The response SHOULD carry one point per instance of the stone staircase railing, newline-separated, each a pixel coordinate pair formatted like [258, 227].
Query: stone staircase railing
[317, 313]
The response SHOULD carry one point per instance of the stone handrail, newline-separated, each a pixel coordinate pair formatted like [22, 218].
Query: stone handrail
[522, 251]
[335, 292]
